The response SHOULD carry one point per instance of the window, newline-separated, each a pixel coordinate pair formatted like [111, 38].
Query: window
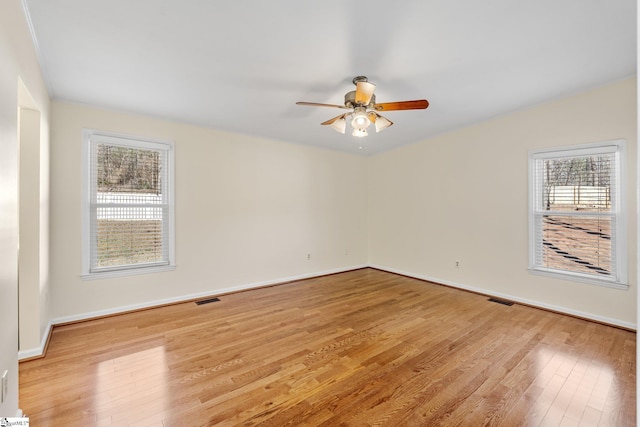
[127, 205]
[577, 227]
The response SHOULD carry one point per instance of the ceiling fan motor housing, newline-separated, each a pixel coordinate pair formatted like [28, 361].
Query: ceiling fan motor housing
[350, 101]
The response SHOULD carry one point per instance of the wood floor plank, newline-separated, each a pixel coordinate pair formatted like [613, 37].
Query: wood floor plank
[364, 347]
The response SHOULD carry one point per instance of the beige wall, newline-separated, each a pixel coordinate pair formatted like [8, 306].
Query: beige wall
[19, 64]
[29, 228]
[248, 211]
[463, 196]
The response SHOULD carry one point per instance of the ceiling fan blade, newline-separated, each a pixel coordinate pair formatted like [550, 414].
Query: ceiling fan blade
[330, 121]
[316, 104]
[364, 92]
[419, 104]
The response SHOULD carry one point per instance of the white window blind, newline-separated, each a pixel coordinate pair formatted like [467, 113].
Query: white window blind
[576, 214]
[129, 204]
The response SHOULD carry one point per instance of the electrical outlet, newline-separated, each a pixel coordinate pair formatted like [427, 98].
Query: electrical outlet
[308, 256]
[4, 392]
[457, 264]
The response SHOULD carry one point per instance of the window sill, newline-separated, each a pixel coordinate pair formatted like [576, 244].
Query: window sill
[127, 272]
[579, 278]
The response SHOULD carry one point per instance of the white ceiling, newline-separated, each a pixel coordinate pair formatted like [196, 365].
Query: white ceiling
[241, 65]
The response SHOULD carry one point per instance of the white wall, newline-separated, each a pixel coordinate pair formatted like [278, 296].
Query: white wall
[248, 211]
[19, 63]
[429, 205]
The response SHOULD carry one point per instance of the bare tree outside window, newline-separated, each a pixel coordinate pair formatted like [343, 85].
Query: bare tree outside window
[129, 170]
[581, 183]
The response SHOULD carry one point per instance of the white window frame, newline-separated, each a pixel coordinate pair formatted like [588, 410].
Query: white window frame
[618, 211]
[90, 136]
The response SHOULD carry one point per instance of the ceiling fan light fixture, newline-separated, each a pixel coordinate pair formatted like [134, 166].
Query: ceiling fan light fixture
[382, 123]
[360, 120]
[360, 133]
[339, 125]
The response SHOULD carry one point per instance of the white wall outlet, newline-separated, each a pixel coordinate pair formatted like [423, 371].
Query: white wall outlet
[308, 256]
[457, 264]
[4, 390]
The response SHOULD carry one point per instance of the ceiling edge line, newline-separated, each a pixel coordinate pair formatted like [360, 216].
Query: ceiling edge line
[36, 46]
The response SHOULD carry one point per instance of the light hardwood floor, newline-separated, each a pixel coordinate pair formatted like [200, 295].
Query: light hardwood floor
[359, 348]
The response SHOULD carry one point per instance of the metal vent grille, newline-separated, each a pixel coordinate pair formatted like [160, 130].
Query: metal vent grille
[207, 301]
[500, 301]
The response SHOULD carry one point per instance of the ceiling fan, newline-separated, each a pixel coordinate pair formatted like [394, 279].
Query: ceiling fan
[364, 112]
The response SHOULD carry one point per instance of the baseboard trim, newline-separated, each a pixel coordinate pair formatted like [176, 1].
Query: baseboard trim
[532, 303]
[190, 297]
[39, 352]
[36, 353]
[25, 355]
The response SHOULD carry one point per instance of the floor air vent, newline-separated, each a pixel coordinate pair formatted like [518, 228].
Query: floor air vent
[207, 301]
[500, 301]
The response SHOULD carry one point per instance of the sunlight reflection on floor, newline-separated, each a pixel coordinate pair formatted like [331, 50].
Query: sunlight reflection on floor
[572, 391]
[133, 386]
